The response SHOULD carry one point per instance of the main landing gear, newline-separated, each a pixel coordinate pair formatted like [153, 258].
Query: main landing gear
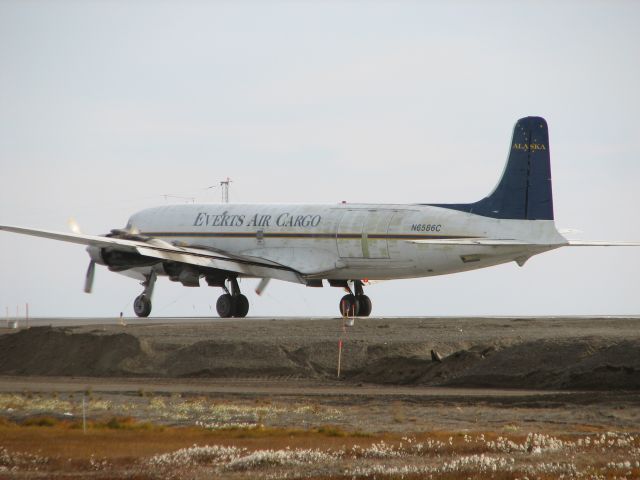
[232, 303]
[142, 303]
[356, 303]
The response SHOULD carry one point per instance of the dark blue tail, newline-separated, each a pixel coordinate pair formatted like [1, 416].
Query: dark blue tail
[524, 191]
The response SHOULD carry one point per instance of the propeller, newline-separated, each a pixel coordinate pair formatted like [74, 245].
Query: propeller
[88, 280]
[73, 226]
[262, 285]
[91, 270]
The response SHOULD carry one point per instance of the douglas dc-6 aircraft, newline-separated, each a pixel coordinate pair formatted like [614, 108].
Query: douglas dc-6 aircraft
[342, 244]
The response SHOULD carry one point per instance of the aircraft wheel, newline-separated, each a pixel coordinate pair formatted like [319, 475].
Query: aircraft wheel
[242, 306]
[349, 306]
[225, 306]
[142, 306]
[365, 305]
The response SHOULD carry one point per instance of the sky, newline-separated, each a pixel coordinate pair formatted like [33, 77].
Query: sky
[107, 108]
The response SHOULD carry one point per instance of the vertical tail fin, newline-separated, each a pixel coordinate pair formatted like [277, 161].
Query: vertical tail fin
[524, 191]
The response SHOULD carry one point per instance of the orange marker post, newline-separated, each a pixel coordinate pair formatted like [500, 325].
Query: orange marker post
[339, 355]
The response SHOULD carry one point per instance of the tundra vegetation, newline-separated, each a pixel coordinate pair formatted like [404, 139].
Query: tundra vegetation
[43, 435]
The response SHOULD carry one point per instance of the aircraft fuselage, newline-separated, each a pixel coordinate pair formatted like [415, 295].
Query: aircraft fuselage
[345, 241]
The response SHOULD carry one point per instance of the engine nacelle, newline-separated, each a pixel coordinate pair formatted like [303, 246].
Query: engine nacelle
[118, 260]
[187, 275]
[95, 253]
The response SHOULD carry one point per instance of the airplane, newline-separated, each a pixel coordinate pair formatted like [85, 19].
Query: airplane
[341, 244]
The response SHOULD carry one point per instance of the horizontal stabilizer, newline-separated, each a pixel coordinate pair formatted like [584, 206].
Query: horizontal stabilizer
[580, 243]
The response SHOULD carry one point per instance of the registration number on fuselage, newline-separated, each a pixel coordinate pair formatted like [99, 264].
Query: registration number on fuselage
[426, 227]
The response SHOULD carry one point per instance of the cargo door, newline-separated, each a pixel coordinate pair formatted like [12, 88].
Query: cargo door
[375, 234]
[349, 233]
[363, 234]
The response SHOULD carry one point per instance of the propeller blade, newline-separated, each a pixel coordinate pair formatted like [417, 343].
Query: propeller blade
[262, 285]
[73, 226]
[88, 281]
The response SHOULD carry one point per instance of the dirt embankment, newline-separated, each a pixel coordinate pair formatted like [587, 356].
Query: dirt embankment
[529, 355]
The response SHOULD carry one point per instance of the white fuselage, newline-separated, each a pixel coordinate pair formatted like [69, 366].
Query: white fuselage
[348, 241]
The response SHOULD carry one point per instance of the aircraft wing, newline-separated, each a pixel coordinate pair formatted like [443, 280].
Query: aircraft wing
[93, 240]
[160, 249]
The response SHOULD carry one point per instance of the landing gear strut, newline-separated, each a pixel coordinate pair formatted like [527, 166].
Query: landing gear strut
[232, 303]
[355, 304]
[142, 303]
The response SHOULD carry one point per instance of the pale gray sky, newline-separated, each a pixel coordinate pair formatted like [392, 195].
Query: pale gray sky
[106, 106]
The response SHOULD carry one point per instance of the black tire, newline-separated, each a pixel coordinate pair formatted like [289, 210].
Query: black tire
[242, 306]
[142, 306]
[349, 306]
[365, 306]
[225, 306]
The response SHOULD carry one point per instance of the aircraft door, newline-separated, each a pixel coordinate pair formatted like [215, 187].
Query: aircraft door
[374, 235]
[349, 233]
[363, 234]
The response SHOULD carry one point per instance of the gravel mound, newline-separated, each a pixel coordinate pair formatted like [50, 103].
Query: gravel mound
[59, 351]
[526, 355]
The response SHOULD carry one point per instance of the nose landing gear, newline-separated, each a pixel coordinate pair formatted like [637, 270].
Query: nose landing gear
[232, 303]
[355, 305]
